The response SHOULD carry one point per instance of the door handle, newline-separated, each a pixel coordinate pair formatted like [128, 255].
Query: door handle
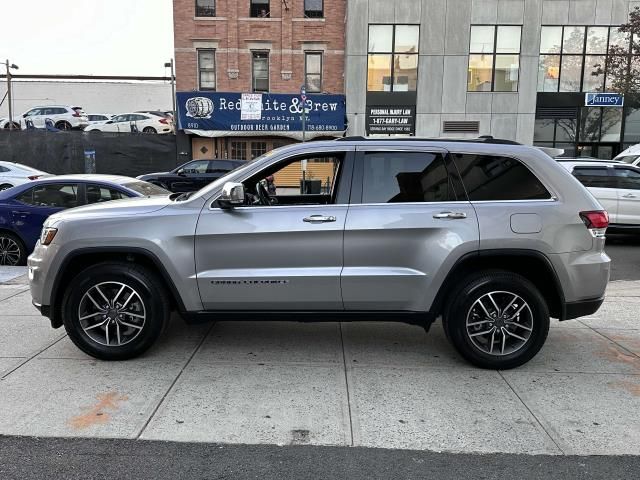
[20, 214]
[629, 195]
[319, 219]
[450, 215]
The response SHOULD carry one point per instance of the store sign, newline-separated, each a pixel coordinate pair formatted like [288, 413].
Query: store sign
[391, 119]
[603, 99]
[237, 112]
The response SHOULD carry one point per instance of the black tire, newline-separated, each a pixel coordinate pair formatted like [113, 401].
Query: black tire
[63, 125]
[503, 285]
[11, 247]
[149, 130]
[8, 125]
[5, 186]
[151, 293]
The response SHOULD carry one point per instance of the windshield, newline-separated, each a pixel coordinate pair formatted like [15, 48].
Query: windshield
[628, 158]
[223, 179]
[145, 188]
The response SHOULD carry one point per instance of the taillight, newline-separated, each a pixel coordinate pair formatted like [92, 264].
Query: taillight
[164, 120]
[34, 177]
[596, 221]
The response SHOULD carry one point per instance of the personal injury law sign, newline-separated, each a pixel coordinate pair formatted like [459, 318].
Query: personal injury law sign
[260, 112]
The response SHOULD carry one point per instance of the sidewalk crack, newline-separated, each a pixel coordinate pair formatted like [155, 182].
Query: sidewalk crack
[346, 382]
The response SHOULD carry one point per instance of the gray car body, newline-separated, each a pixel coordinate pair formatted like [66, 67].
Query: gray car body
[391, 257]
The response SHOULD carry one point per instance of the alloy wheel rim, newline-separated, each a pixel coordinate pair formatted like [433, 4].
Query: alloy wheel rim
[9, 252]
[499, 323]
[112, 313]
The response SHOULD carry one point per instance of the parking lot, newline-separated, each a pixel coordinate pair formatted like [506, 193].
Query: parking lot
[362, 384]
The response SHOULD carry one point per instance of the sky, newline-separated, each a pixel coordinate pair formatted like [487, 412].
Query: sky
[87, 37]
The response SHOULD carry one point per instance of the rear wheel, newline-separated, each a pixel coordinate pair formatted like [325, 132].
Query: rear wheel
[63, 125]
[149, 130]
[12, 251]
[497, 320]
[115, 311]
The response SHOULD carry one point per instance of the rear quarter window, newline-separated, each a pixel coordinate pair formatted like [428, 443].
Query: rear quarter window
[495, 178]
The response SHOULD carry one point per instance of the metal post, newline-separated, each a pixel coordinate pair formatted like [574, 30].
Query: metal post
[173, 90]
[9, 95]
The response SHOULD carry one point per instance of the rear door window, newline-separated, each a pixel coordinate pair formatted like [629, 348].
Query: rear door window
[495, 178]
[597, 177]
[57, 195]
[402, 177]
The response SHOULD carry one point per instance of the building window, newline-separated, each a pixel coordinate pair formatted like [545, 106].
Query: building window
[205, 8]
[257, 149]
[260, 71]
[314, 8]
[313, 72]
[393, 58]
[239, 150]
[569, 57]
[494, 58]
[260, 9]
[206, 69]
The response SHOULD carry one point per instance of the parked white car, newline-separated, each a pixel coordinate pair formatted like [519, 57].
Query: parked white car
[98, 118]
[631, 155]
[13, 174]
[615, 185]
[4, 123]
[145, 123]
[63, 117]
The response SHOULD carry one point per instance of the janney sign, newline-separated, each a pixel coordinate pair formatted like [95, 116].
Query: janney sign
[236, 112]
[596, 99]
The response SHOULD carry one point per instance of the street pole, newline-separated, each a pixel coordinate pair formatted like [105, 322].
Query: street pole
[173, 89]
[9, 95]
[303, 98]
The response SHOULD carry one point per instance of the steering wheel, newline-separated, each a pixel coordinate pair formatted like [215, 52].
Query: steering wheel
[263, 194]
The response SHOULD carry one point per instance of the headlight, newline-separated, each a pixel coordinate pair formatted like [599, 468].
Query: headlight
[47, 235]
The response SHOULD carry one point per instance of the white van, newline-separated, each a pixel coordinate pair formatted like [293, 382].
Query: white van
[631, 155]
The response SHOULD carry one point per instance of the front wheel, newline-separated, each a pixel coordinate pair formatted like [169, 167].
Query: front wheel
[497, 320]
[66, 126]
[5, 186]
[12, 251]
[115, 311]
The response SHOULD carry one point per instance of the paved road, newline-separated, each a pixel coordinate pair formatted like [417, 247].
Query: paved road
[87, 459]
[624, 251]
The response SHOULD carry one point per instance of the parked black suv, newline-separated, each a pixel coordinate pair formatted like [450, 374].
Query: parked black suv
[192, 175]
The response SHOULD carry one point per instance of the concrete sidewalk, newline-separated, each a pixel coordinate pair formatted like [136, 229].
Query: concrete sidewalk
[362, 384]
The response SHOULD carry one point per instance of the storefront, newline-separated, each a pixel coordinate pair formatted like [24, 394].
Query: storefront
[583, 128]
[246, 125]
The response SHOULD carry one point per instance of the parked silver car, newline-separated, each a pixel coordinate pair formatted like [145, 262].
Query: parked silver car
[494, 238]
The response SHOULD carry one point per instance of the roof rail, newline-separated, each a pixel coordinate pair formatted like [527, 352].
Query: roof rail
[481, 139]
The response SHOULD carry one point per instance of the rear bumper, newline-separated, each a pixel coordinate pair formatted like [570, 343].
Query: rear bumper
[581, 308]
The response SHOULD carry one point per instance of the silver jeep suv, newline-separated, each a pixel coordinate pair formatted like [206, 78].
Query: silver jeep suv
[494, 238]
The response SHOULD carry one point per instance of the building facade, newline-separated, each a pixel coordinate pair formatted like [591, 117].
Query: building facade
[263, 47]
[514, 69]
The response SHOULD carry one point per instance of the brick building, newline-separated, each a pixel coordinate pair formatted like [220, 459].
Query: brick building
[262, 46]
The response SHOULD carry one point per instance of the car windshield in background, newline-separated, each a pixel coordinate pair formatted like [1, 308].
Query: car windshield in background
[628, 158]
[147, 189]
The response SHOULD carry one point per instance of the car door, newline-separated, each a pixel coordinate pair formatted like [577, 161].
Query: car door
[628, 182]
[405, 227]
[600, 181]
[34, 116]
[113, 124]
[32, 207]
[277, 257]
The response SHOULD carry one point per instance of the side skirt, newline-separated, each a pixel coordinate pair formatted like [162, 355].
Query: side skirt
[413, 318]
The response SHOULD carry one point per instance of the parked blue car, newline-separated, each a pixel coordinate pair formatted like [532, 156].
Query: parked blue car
[24, 208]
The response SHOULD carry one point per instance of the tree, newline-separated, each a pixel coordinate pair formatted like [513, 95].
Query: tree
[622, 64]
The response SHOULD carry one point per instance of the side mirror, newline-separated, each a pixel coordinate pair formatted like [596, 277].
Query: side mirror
[232, 195]
[181, 172]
